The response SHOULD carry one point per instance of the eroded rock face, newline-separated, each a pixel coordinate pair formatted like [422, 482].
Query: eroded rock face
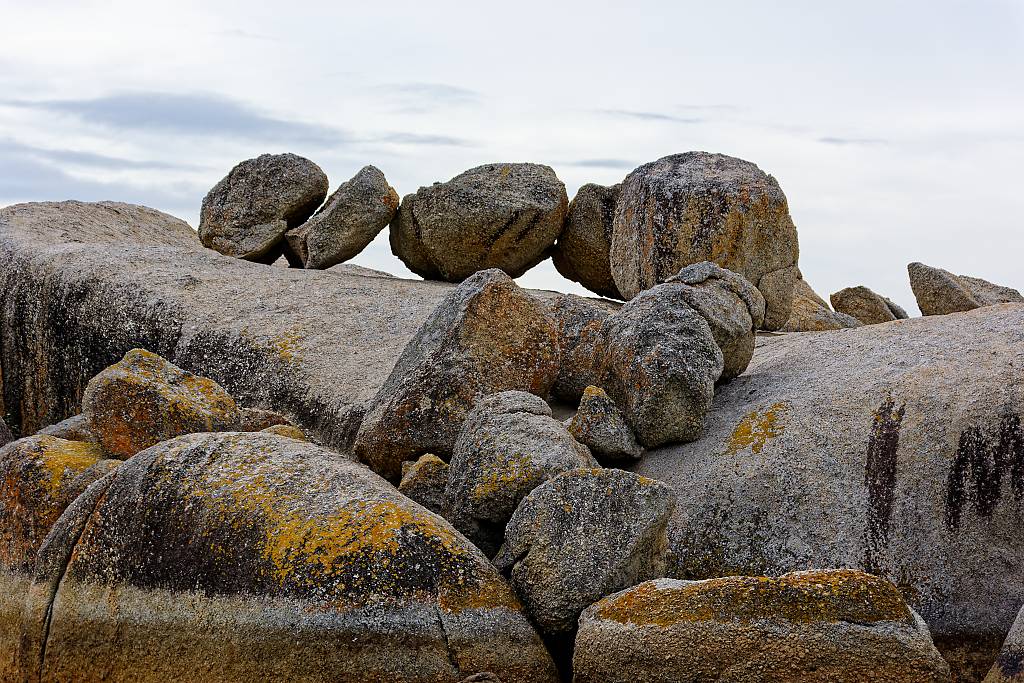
[842, 626]
[1009, 666]
[581, 536]
[581, 254]
[866, 306]
[425, 480]
[5, 433]
[349, 220]
[812, 314]
[578, 323]
[258, 419]
[487, 336]
[504, 216]
[508, 445]
[143, 399]
[696, 206]
[887, 448]
[940, 292]
[600, 426]
[265, 558]
[247, 213]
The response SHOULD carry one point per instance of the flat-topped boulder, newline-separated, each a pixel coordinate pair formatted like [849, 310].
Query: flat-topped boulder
[889, 448]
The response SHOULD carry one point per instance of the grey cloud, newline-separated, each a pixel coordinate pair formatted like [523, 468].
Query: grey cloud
[79, 158]
[852, 141]
[192, 114]
[649, 116]
[423, 139]
[601, 163]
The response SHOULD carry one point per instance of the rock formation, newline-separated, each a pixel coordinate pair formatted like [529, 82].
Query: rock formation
[600, 426]
[504, 216]
[578, 322]
[582, 252]
[940, 292]
[696, 206]
[248, 212]
[837, 626]
[5, 433]
[865, 306]
[812, 314]
[425, 480]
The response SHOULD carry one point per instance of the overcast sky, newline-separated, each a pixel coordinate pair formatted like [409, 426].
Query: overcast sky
[896, 129]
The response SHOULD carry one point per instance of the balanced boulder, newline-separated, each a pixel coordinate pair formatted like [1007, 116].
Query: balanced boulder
[581, 536]
[600, 426]
[696, 206]
[811, 313]
[504, 216]
[581, 254]
[508, 446]
[349, 220]
[236, 557]
[866, 306]
[837, 626]
[487, 335]
[940, 292]
[247, 214]
[143, 399]
[425, 480]
[578, 322]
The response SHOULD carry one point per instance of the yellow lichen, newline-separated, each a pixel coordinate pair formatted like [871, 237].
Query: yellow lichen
[287, 344]
[757, 428]
[516, 469]
[60, 456]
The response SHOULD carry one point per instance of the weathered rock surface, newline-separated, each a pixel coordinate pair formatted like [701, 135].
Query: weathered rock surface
[581, 254]
[143, 399]
[581, 536]
[425, 480]
[659, 362]
[836, 626]
[247, 213]
[258, 419]
[866, 306]
[696, 206]
[5, 433]
[75, 428]
[940, 292]
[889, 448]
[812, 314]
[578, 323]
[508, 445]
[288, 431]
[600, 426]
[349, 220]
[503, 216]
[240, 557]
[487, 336]
[1009, 666]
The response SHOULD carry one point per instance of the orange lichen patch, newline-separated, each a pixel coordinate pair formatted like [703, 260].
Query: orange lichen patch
[800, 597]
[757, 428]
[487, 594]
[516, 469]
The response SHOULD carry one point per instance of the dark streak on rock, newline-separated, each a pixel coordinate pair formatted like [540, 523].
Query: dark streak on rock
[981, 463]
[880, 475]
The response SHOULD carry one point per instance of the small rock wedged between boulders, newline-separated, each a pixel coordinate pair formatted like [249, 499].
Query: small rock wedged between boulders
[600, 426]
[811, 313]
[578, 322]
[424, 481]
[581, 254]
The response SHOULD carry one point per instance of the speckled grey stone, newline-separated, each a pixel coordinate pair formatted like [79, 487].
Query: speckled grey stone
[247, 213]
[5, 433]
[696, 206]
[811, 313]
[258, 419]
[1009, 665]
[503, 216]
[508, 445]
[940, 292]
[424, 481]
[581, 254]
[889, 448]
[578, 322]
[864, 305]
[347, 222]
[600, 426]
[581, 536]
[486, 336]
[75, 428]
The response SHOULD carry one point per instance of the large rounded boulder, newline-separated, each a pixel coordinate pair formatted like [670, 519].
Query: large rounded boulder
[896, 449]
[503, 216]
[692, 207]
[241, 557]
[582, 251]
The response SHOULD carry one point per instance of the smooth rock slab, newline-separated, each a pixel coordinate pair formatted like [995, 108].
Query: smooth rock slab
[240, 557]
[814, 626]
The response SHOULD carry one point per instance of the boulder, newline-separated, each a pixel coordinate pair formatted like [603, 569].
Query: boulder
[143, 399]
[39, 477]
[349, 220]
[578, 322]
[237, 557]
[581, 254]
[696, 206]
[887, 448]
[659, 362]
[424, 481]
[812, 314]
[508, 445]
[940, 292]
[866, 306]
[75, 428]
[600, 426]
[835, 626]
[504, 216]
[247, 213]
[486, 336]
[288, 431]
[580, 536]
[258, 419]
[1009, 665]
